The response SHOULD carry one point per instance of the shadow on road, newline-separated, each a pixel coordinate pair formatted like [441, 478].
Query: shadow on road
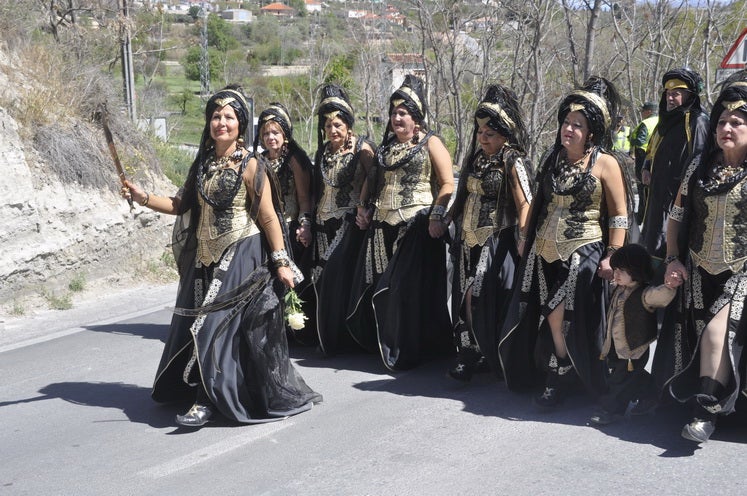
[486, 396]
[134, 401]
[360, 361]
[157, 332]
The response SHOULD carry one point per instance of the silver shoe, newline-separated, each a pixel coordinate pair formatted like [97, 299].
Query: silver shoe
[197, 416]
[699, 430]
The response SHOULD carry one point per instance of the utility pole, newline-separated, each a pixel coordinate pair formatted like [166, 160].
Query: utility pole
[128, 73]
[204, 56]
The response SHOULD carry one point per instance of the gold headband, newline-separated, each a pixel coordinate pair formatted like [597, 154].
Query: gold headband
[675, 83]
[237, 96]
[575, 107]
[732, 106]
[501, 113]
[332, 115]
[598, 102]
[338, 101]
[283, 115]
[413, 96]
[738, 83]
[222, 102]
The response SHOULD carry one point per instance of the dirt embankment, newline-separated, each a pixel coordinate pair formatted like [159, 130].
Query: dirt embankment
[64, 228]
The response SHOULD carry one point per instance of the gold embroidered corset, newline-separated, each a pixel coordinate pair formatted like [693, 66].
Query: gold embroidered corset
[219, 228]
[342, 180]
[488, 207]
[718, 236]
[571, 220]
[406, 189]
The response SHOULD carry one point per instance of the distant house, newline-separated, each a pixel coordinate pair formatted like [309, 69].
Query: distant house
[356, 14]
[278, 9]
[313, 6]
[399, 65]
[239, 16]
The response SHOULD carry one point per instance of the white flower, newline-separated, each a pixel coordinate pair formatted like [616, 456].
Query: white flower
[296, 321]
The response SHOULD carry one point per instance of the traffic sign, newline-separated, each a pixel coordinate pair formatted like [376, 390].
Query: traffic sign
[736, 57]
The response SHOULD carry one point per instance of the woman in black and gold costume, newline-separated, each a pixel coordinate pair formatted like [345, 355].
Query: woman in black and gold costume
[227, 348]
[343, 162]
[294, 172]
[399, 291]
[707, 247]
[495, 190]
[579, 216]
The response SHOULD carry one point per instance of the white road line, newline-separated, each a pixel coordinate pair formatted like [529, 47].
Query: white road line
[202, 455]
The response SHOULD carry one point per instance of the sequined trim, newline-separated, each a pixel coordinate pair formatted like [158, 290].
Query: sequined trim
[480, 270]
[677, 213]
[694, 164]
[618, 222]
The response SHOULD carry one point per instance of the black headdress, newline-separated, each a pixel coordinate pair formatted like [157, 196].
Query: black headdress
[276, 112]
[598, 101]
[500, 111]
[333, 102]
[412, 96]
[685, 79]
[733, 96]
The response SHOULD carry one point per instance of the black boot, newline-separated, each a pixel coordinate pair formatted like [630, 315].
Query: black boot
[704, 414]
[466, 364]
[553, 395]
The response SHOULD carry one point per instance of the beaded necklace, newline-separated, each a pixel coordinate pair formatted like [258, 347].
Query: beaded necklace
[213, 165]
[484, 163]
[334, 162]
[277, 162]
[567, 174]
[394, 148]
[721, 175]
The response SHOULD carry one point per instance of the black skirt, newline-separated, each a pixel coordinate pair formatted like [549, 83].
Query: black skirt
[228, 335]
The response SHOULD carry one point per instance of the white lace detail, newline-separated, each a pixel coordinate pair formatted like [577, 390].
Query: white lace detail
[521, 173]
[212, 293]
[480, 270]
[618, 222]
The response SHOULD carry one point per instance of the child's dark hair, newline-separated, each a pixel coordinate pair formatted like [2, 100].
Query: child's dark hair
[635, 260]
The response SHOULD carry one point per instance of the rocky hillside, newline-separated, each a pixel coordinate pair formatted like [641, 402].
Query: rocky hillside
[62, 218]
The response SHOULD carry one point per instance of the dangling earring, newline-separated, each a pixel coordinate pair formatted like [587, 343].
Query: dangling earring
[239, 151]
[349, 140]
[283, 150]
[416, 135]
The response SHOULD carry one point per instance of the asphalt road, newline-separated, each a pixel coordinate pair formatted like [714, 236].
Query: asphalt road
[76, 418]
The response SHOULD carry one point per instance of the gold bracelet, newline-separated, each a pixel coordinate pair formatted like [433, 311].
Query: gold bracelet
[144, 203]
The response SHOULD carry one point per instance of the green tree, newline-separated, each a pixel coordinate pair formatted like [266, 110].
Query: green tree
[191, 63]
[340, 70]
[219, 34]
